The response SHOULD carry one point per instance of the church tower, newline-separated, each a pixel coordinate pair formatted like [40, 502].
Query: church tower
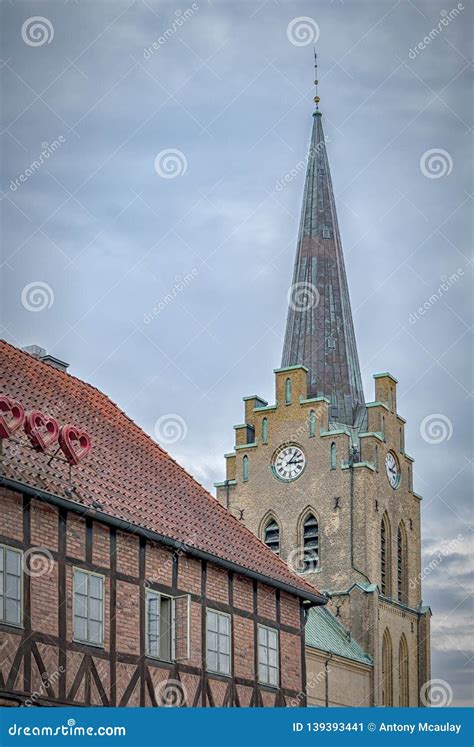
[323, 477]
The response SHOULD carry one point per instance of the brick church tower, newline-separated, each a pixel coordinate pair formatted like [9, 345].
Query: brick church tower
[323, 477]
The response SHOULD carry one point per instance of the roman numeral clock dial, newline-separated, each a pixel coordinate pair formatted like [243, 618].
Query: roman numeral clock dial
[288, 462]
[392, 469]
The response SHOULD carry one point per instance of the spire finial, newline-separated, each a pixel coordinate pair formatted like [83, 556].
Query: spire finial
[316, 81]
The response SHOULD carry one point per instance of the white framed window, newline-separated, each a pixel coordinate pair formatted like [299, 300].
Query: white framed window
[11, 591]
[268, 667]
[218, 642]
[88, 607]
[167, 626]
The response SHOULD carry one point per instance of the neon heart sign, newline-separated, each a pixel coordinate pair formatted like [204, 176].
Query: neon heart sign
[75, 443]
[43, 431]
[12, 416]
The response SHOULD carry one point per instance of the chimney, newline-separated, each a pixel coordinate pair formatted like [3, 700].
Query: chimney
[40, 353]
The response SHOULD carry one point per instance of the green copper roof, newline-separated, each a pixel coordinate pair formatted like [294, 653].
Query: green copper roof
[325, 632]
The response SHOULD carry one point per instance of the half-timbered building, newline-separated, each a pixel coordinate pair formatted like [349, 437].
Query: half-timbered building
[122, 581]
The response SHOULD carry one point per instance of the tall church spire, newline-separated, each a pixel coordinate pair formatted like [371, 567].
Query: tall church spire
[319, 328]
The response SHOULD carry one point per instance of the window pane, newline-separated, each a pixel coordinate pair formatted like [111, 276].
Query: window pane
[263, 673]
[1, 558]
[224, 644]
[152, 645]
[224, 663]
[13, 587]
[80, 605]
[262, 636]
[80, 628]
[212, 641]
[13, 562]
[273, 676]
[95, 609]
[12, 611]
[80, 582]
[272, 638]
[212, 660]
[95, 632]
[272, 657]
[95, 587]
[211, 621]
[263, 655]
[223, 624]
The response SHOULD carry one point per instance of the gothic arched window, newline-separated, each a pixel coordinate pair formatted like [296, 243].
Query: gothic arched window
[264, 431]
[245, 468]
[310, 543]
[271, 535]
[403, 672]
[312, 423]
[333, 456]
[288, 391]
[387, 673]
[376, 457]
[402, 570]
[385, 556]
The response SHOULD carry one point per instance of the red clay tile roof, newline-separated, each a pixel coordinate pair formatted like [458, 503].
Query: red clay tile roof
[133, 478]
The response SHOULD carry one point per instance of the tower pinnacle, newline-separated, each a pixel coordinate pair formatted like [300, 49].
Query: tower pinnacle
[319, 329]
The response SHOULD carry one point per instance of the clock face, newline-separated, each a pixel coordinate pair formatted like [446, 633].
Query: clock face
[289, 462]
[393, 470]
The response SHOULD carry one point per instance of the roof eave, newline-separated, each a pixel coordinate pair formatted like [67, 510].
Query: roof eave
[315, 599]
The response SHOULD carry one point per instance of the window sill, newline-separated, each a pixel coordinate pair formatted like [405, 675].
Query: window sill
[267, 684]
[219, 674]
[88, 643]
[16, 626]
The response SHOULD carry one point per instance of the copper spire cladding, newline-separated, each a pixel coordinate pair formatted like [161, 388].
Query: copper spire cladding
[319, 329]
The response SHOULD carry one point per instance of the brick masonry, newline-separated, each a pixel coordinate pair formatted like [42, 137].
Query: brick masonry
[348, 504]
[118, 672]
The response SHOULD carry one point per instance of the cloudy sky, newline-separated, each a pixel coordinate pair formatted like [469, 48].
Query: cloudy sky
[162, 277]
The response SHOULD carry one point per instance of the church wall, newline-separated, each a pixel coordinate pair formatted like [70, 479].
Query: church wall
[335, 681]
[399, 622]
